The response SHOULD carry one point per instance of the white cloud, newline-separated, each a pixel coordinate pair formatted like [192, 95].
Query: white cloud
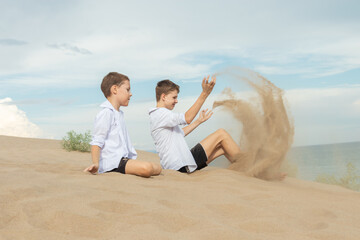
[325, 115]
[150, 40]
[14, 122]
[357, 103]
[11, 42]
[69, 48]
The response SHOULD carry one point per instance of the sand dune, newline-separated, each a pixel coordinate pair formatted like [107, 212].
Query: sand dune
[45, 195]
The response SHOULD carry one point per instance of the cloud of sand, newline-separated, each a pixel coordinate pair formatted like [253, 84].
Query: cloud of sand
[14, 122]
[267, 131]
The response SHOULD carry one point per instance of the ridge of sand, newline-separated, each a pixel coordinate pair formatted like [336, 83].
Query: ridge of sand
[45, 195]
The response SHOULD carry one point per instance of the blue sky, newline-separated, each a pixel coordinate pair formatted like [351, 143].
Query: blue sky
[54, 54]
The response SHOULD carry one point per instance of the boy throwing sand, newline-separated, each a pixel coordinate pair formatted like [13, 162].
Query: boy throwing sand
[169, 138]
[111, 149]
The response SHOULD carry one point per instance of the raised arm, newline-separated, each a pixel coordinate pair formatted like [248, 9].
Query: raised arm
[203, 116]
[207, 87]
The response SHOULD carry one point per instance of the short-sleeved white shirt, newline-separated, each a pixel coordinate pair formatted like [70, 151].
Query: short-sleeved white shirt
[169, 139]
[111, 135]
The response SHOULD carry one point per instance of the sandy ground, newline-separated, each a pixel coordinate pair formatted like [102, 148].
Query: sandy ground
[45, 195]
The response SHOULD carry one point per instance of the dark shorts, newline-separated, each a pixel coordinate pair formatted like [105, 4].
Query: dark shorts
[121, 167]
[200, 157]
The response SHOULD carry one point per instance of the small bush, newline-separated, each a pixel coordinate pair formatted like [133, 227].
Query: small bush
[350, 180]
[77, 142]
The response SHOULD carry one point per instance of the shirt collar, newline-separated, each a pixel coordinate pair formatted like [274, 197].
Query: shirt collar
[156, 108]
[152, 110]
[107, 104]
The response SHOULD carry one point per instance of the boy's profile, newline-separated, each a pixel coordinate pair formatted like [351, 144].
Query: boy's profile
[111, 149]
[169, 137]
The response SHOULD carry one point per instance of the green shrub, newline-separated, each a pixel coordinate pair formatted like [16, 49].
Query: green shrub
[350, 180]
[77, 142]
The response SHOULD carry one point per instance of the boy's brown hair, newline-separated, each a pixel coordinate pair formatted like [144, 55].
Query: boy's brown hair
[165, 86]
[111, 79]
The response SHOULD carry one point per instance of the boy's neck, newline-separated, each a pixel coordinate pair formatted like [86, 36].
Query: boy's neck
[114, 103]
[160, 105]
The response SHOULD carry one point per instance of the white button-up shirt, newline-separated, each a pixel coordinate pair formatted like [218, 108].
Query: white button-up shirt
[111, 135]
[169, 139]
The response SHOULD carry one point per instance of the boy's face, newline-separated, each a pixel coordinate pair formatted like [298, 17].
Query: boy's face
[123, 93]
[170, 99]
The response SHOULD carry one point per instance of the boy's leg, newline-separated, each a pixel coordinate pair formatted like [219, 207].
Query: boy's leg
[216, 153]
[142, 168]
[156, 168]
[220, 143]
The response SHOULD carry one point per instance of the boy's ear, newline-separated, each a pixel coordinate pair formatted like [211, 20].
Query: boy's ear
[113, 89]
[162, 96]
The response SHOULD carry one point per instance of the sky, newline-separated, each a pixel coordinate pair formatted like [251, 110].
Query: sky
[54, 54]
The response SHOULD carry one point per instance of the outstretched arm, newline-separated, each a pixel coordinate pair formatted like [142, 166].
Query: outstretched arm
[207, 88]
[95, 155]
[204, 115]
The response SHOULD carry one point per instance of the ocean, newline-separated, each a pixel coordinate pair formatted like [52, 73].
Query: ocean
[312, 161]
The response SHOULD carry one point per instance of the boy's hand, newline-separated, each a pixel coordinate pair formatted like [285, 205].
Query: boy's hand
[208, 86]
[92, 169]
[204, 115]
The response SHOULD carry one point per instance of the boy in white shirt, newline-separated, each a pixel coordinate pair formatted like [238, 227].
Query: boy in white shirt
[169, 137]
[111, 149]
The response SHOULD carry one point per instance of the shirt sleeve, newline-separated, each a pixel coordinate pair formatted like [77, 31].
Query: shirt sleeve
[101, 127]
[171, 119]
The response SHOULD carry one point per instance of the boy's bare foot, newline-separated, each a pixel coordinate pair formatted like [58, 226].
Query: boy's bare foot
[282, 176]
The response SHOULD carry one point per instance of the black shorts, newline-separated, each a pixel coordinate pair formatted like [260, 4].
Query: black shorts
[121, 167]
[200, 157]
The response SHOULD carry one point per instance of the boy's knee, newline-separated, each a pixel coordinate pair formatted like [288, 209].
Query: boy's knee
[222, 132]
[146, 169]
[156, 169]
